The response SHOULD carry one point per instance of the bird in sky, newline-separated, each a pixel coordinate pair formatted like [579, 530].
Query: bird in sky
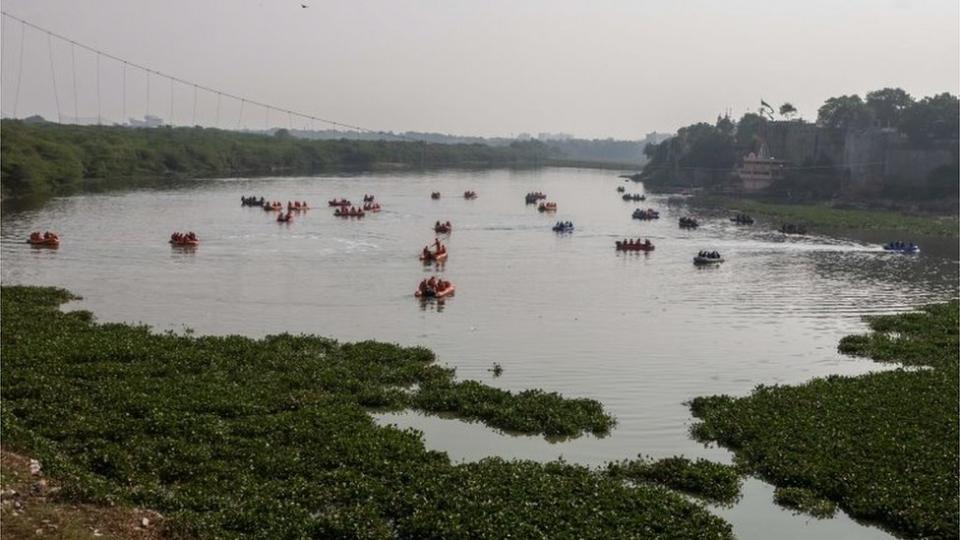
[304, 6]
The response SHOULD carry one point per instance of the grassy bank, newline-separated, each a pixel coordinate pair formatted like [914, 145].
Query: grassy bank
[822, 217]
[232, 437]
[52, 159]
[883, 446]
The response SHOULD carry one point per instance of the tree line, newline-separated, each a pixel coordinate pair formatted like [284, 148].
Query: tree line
[41, 159]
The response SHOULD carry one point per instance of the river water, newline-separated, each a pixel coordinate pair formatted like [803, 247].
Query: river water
[642, 333]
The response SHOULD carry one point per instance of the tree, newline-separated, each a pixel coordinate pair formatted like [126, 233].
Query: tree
[725, 125]
[845, 112]
[888, 105]
[788, 111]
[932, 118]
[749, 128]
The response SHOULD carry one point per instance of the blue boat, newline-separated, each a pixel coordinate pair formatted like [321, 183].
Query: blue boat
[901, 247]
[563, 226]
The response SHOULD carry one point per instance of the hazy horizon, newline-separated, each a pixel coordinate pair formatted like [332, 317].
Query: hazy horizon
[609, 69]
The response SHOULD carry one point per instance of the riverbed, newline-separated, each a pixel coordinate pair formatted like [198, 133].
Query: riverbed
[641, 332]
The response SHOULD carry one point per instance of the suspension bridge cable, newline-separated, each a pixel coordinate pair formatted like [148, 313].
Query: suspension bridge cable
[220, 93]
[73, 68]
[99, 107]
[148, 97]
[16, 95]
[53, 74]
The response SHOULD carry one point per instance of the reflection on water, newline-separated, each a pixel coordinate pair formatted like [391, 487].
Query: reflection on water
[642, 333]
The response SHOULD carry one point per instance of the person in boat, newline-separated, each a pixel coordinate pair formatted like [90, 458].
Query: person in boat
[426, 252]
[436, 243]
[647, 242]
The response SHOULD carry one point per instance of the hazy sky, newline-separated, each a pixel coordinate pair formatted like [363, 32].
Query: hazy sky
[601, 68]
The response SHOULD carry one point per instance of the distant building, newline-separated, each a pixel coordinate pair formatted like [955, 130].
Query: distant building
[656, 138]
[149, 121]
[554, 136]
[759, 170]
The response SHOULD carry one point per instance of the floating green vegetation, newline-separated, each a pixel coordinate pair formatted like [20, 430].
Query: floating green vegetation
[232, 437]
[821, 216]
[530, 411]
[884, 446]
[702, 478]
[804, 500]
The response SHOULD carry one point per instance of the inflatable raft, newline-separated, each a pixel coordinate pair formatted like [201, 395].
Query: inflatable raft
[439, 294]
[44, 242]
[547, 207]
[434, 257]
[707, 260]
[623, 246]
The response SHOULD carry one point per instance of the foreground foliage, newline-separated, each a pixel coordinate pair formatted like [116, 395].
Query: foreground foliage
[231, 437]
[884, 446]
[53, 159]
[804, 500]
[531, 411]
[703, 478]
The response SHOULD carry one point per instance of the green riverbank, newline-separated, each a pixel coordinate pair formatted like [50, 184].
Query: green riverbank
[232, 437]
[883, 446]
[820, 217]
[45, 159]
